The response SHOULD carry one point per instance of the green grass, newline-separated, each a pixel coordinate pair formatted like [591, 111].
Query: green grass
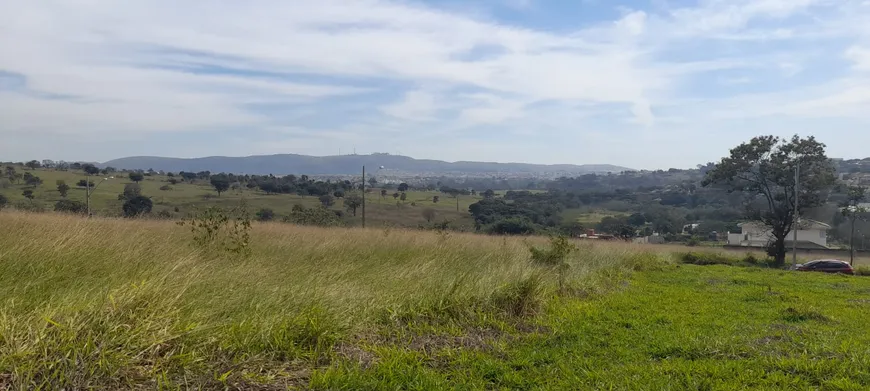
[586, 216]
[188, 196]
[118, 304]
[683, 328]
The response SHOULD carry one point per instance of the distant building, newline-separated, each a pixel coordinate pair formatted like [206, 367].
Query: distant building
[811, 234]
[689, 228]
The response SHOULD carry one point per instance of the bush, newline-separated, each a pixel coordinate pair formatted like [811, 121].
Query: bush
[512, 226]
[3, 201]
[220, 230]
[70, 206]
[319, 216]
[137, 206]
[704, 258]
[29, 206]
[265, 214]
[646, 262]
[862, 271]
[555, 257]
[327, 200]
[131, 190]
[84, 183]
[520, 298]
[165, 187]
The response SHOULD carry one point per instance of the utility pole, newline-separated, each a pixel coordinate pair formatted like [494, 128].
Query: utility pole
[797, 186]
[852, 240]
[88, 193]
[363, 196]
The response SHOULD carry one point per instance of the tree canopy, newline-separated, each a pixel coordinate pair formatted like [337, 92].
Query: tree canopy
[763, 169]
[137, 206]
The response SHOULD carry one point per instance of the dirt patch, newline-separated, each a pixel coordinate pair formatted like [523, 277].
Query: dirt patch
[354, 353]
[475, 339]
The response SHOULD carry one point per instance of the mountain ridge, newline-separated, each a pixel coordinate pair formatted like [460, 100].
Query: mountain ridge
[284, 164]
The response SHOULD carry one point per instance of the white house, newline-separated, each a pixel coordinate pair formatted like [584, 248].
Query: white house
[810, 234]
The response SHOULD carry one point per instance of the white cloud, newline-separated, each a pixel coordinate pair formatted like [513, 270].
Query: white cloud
[860, 56]
[156, 67]
[417, 105]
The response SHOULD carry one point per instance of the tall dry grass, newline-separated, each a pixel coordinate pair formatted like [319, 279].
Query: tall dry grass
[110, 303]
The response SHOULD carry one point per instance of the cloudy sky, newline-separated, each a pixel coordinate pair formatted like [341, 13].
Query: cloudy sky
[639, 83]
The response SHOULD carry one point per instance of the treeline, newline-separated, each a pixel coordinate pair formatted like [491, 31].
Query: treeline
[637, 213]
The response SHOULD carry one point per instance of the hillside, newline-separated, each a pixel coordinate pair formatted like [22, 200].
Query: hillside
[109, 304]
[342, 165]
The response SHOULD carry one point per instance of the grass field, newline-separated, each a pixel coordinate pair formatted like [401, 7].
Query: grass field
[186, 196]
[118, 304]
[588, 216]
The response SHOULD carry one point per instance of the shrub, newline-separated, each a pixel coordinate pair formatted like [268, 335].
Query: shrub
[265, 214]
[327, 200]
[70, 206]
[164, 214]
[29, 206]
[84, 183]
[165, 187]
[219, 230]
[520, 298]
[645, 262]
[131, 190]
[319, 216]
[512, 226]
[137, 206]
[702, 258]
[3, 201]
[862, 271]
[555, 256]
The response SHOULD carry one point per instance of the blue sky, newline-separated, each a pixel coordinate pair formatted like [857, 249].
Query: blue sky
[642, 83]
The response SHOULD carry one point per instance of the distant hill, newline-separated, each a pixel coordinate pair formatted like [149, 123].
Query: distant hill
[342, 165]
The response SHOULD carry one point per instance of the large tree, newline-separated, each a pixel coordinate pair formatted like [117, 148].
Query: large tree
[764, 170]
[90, 169]
[131, 190]
[136, 176]
[352, 202]
[221, 183]
[137, 206]
[11, 174]
[33, 164]
[62, 188]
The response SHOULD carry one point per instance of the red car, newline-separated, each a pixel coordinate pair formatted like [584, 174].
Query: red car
[826, 266]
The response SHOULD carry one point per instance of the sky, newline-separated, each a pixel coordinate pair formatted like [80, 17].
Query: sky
[638, 83]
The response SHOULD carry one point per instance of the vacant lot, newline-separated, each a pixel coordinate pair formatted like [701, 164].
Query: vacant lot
[118, 304]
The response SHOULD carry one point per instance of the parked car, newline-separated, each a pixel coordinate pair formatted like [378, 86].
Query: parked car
[826, 266]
